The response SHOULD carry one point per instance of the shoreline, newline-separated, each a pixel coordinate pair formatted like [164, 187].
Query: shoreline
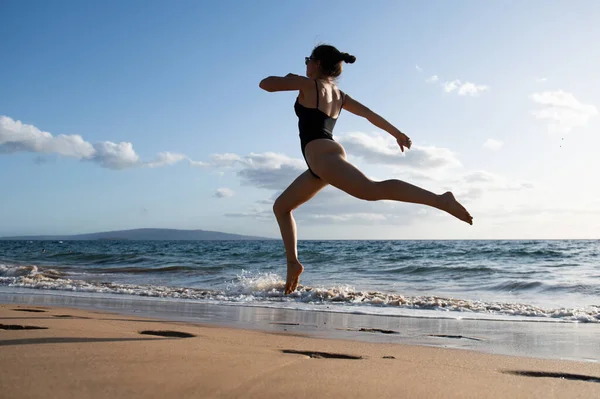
[99, 353]
[554, 340]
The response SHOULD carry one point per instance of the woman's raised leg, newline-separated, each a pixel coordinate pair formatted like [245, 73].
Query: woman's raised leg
[337, 171]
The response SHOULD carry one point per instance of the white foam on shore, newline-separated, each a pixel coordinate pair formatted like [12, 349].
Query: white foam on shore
[266, 289]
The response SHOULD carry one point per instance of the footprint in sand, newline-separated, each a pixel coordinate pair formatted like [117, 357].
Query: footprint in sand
[454, 337]
[168, 333]
[546, 374]
[19, 327]
[322, 355]
[68, 316]
[378, 330]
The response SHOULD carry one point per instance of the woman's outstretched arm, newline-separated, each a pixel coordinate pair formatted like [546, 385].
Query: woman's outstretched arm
[285, 83]
[357, 108]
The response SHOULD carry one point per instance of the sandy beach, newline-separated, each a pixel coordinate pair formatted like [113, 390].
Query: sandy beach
[64, 352]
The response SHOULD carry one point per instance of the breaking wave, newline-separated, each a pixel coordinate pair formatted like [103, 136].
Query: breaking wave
[267, 288]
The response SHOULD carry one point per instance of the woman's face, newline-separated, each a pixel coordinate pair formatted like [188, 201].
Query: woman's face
[312, 67]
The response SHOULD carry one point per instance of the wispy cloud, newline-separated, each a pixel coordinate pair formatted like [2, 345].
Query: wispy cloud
[333, 205]
[562, 110]
[464, 89]
[439, 168]
[198, 163]
[383, 149]
[254, 213]
[541, 80]
[224, 192]
[354, 218]
[418, 68]
[478, 182]
[225, 160]
[270, 170]
[458, 86]
[471, 89]
[492, 144]
[16, 136]
[275, 171]
[165, 159]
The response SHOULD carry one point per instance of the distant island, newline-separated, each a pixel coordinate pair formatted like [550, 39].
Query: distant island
[142, 235]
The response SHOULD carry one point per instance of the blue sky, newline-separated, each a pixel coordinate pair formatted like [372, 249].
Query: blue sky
[500, 99]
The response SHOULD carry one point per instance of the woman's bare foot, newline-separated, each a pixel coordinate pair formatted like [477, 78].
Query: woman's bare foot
[449, 204]
[294, 270]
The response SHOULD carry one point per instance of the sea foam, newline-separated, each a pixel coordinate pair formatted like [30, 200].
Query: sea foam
[259, 288]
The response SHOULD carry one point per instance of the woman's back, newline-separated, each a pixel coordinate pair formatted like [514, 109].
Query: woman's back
[325, 97]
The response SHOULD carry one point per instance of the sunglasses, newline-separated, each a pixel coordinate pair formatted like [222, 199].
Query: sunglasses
[307, 60]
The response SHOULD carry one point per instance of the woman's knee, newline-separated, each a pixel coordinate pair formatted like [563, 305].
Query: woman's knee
[279, 207]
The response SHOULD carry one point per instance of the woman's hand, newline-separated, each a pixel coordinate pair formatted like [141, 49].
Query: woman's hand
[403, 141]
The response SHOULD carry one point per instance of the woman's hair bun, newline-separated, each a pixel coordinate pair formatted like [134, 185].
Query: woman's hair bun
[348, 58]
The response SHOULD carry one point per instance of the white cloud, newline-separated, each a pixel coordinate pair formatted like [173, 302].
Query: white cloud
[224, 160]
[415, 175]
[259, 214]
[271, 160]
[198, 163]
[467, 186]
[333, 205]
[418, 68]
[114, 156]
[474, 184]
[438, 168]
[224, 192]
[493, 144]
[167, 158]
[432, 79]
[471, 89]
[532, 211]
[451, 86]
[16, 136]
[541, 80]
[562, 110]
[383, 149]
[276, 171]
[355, 218]
[480, 176]
[268, 170]
[464, 89]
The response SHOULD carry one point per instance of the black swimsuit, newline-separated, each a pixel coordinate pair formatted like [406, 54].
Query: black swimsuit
[314, 124]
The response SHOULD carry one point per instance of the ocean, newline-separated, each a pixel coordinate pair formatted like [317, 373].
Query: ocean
[555, 281]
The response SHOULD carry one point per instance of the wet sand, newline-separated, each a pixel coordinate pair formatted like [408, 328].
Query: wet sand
[64, 352]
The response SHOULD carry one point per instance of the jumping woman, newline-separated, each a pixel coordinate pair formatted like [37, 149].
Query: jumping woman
[318, 107]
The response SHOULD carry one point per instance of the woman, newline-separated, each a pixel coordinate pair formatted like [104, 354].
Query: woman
[318, 106]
